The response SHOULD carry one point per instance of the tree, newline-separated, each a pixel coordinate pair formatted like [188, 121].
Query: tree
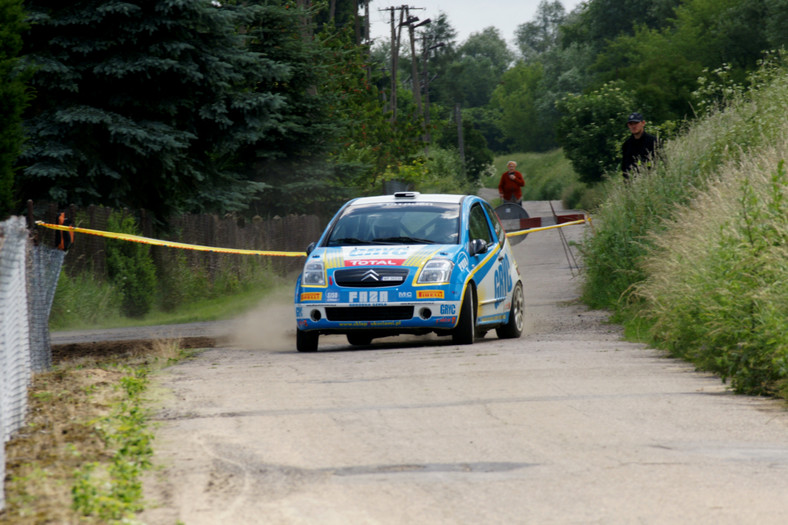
[592, 129]
[540, 35]
[471, 78]
[520, 121]
[478, 156]
[13, 98]
[599, 21]
[154, 104]
[662, 66]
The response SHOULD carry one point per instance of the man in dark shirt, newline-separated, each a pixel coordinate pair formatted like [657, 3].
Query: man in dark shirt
[638, 149]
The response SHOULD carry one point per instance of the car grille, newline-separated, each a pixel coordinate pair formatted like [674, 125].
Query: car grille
[370, 277]
[370, 313]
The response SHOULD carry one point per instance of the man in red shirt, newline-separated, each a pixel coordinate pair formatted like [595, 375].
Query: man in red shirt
[510, 184]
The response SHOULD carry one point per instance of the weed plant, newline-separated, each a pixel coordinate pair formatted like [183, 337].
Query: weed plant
[697, 243]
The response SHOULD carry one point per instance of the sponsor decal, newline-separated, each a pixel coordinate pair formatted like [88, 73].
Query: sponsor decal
[405, 295]
[503, 279]
[367, 324]
[299, 311]
[448, 309]
[332, 296]
[374, 262]
[311, 296]
[303, 322]
[372, 296]
[429, 294]
[377, 252]
[446, 320]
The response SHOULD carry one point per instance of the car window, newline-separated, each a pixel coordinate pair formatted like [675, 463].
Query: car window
[397, 223]
[479, 227]
[500, 233]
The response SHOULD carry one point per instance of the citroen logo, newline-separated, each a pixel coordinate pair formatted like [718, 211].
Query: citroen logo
[371, 274]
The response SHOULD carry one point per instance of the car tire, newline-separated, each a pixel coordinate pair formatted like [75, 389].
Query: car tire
[465, 330]
[514, 327]
[306, 341]
[358, 339]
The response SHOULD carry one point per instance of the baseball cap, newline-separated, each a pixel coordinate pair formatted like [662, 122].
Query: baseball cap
[635, 117]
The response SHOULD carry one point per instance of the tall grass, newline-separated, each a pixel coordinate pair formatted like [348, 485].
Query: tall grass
[697, 243]
[717, 278]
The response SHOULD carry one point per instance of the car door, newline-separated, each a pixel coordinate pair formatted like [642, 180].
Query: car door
[491, 268]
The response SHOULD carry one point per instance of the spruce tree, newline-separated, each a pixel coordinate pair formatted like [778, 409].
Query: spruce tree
[159, 105]
[13, 97]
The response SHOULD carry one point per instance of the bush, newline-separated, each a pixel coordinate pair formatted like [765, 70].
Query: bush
[130, 267]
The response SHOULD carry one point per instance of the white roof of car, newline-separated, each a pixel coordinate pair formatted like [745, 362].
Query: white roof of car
[411, 196]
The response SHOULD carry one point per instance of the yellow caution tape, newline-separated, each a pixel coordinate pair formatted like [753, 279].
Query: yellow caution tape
[543, 228]
[197, 247]
[170, 244]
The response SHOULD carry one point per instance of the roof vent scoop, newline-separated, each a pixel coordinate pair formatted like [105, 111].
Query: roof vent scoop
[406, 194]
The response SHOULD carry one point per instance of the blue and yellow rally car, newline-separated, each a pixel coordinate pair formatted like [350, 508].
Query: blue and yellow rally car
[410, 264]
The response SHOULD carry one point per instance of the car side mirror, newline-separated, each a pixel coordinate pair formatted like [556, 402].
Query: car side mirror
[478, 246]
[311, 247]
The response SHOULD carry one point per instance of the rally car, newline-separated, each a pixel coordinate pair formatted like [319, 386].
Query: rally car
[410, 264]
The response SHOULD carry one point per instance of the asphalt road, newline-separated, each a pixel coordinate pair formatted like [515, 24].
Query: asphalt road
[568, 424]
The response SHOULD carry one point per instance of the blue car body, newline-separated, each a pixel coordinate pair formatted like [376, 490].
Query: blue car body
[409, 263]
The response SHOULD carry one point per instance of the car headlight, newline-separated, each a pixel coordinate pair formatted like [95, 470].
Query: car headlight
[314, 275]
[437, 271]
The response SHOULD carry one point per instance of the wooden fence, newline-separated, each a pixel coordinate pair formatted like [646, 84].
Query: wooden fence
[291, 233]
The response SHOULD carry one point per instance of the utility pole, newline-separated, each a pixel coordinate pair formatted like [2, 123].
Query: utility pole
[414, 66]
[425, 49]
[396, 33]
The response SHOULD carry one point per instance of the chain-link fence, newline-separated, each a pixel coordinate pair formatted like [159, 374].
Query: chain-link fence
[28, 278]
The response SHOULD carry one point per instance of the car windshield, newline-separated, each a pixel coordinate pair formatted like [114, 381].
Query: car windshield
[397, 223]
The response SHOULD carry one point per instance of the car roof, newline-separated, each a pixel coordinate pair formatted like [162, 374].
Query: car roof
[410, 196]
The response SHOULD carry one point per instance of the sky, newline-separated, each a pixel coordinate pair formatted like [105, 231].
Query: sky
[465, 16]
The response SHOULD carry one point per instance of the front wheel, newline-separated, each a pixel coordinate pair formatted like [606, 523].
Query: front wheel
[306, 341]
[466, 327]
[514, 327]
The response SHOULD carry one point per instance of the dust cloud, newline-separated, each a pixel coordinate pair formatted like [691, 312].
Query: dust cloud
[269, 326]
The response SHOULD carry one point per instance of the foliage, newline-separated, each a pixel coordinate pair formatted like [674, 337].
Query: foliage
[520, 119]
[592, 129]
[697, 243]
[13, 98]
[478, 157]
[439, 172]
[130, 267]
[486, 120]
[540, 35]
[114, 493]
[717, 289]
[157, 106]
[312, 77]
[471, 78]
[600, 21]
